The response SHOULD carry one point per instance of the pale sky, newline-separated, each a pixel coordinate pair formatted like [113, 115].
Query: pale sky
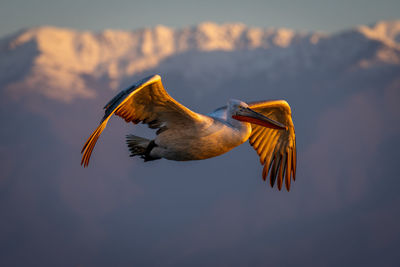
[307, 15]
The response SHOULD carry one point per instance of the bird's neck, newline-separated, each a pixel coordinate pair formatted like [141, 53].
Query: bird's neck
[239, 125]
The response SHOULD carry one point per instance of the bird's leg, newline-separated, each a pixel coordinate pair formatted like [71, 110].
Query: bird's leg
[146, 155]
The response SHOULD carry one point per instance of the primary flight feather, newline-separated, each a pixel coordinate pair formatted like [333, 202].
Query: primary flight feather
[186, 135]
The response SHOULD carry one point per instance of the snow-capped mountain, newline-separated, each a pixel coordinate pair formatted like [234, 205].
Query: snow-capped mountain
[344, 92]
[63, 63]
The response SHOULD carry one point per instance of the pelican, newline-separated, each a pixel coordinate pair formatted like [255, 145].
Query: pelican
[186, 135]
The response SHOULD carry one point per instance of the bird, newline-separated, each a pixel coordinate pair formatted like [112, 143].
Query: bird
[184, 135]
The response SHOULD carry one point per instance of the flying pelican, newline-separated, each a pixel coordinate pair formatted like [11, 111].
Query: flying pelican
[186, 135]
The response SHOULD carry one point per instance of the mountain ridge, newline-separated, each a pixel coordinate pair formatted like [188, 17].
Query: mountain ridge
[343, 90]
[58, 62]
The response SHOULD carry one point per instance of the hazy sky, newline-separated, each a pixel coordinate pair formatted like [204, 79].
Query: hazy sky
[320, 15]
[343, 208]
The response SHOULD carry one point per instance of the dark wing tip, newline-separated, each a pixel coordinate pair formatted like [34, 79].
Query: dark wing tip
[142, 82]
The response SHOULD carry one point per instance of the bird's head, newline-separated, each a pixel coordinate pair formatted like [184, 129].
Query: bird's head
[240, 111]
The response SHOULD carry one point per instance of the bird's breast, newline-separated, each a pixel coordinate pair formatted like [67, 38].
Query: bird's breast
[210, 140]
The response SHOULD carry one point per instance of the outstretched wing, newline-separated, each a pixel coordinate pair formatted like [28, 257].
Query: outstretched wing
[146, 101]
[276, 148]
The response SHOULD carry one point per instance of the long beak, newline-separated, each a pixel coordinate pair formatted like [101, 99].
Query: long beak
[249, 115]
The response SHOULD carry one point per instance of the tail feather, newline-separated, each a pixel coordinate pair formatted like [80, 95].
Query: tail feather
[137, 145]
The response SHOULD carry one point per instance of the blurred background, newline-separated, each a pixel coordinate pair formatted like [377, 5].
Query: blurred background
[336, 63]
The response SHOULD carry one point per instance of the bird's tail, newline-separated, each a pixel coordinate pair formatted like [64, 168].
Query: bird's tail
[140, 146]
[137, 145]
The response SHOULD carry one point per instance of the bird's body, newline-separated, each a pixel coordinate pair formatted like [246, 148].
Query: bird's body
[186, 135]
[211, 136]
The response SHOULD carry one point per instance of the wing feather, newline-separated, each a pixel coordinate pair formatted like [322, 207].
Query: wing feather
[267, 166]
[146, 101]
[281, 172]
[288, 169]
[259, 139]
[294, 156]
[256, 134]
[276, 148]
[269, 141]
[274, 169]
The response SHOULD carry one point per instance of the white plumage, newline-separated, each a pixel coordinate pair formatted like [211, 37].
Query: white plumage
[186, 135]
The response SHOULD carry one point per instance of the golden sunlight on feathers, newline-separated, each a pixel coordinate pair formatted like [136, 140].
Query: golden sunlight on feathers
[276, 148]
[146, 101]
[186, 135]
